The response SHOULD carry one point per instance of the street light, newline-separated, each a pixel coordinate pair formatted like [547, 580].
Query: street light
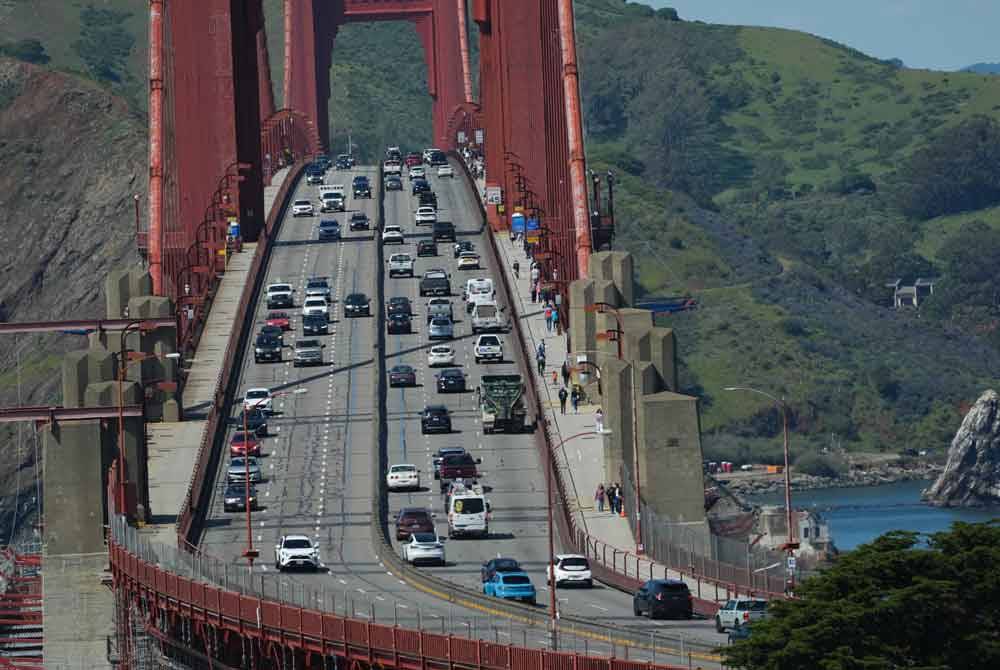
[790, 544]
[615, 335]
[250, 553]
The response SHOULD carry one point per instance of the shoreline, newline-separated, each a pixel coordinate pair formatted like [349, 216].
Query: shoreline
[874, 476]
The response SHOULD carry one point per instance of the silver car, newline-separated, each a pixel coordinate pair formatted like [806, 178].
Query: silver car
[440, 328]
[237, 471]
[308, 352]
[318, 286]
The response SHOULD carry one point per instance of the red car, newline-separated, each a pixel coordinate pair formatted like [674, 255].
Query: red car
[414, 159]
[279, 319]
[242, 443]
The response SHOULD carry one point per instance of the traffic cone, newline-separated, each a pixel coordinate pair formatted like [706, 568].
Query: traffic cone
[621, 510]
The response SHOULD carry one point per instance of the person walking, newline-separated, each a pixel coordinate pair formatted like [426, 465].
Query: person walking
[565, 373]
[599, 420]
[574, 399]
[618, 498]
[534, 291]
[541, 349]
[599, 497]
[540, 359]
[556, 324]
[555, 378]
[612, 499]
[517, 270]
[563, 395]
[548, 317]
[535, 273]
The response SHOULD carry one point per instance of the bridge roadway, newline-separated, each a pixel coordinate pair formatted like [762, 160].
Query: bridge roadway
[317, 460]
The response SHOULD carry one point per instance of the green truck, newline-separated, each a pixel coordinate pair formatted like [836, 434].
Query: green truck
[501, 400]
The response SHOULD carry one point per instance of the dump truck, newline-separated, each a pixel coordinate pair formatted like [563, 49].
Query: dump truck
[501, 400]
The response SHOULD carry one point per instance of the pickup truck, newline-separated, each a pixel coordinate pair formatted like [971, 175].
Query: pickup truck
[457, 466]
[435, 286]
[266, 348]
[487, 317]
[740, 612]
[280, 295]
[400, 264]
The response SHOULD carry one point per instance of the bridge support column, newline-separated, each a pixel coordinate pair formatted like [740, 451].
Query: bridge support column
[310, 27]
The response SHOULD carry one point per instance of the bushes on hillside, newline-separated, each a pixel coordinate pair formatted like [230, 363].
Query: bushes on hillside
[104, 45]
[820, 465]
[29, 50]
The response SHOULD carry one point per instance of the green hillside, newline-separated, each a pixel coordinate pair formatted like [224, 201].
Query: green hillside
[783, 178]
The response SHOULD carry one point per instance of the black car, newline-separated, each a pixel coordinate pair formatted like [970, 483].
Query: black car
[444, 231]
[434, 286]
[663, 598]
[438, 158]
[402, 375]
[266, 348]
[464, 245]
[315, 324]
[343, 163]
[435, 419]
[323, 162]
[420, 185]
[357, 304]
[450, 380]
[393, 183]
[235, 498]
[398, 324]
[495, 565]
[256, 422]
[427, 199]
[427, 248]
[362, 188]
[273, 331]
[359, 221]
[329, 230]
[399, 305]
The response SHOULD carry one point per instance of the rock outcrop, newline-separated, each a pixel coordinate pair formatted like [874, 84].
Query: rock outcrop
[971, 477]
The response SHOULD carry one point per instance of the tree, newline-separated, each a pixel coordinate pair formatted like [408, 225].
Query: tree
[28, 50]
[893, 603]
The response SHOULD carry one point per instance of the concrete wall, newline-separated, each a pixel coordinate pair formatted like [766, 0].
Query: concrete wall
[583, 324]
[616, 267]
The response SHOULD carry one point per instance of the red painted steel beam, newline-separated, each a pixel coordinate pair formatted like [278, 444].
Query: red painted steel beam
[109, 325]
[56, 414]
[155, 235]
[310, 27]
[463, 41]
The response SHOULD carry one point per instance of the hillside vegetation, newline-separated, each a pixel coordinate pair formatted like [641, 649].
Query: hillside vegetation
[784, 178]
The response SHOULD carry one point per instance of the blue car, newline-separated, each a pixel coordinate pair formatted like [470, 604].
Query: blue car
[510, 586]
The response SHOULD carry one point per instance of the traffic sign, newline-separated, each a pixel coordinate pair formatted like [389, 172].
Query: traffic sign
[791, 564]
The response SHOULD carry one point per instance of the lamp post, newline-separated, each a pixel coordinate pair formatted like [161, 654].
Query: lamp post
[615, 335]
[250, 553]
[791, 544]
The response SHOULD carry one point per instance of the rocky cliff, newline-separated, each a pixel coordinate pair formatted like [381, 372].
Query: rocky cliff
[971, 476]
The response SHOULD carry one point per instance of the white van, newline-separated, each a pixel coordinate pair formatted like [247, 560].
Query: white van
[468, 511]
[486, 317]
[479, 289]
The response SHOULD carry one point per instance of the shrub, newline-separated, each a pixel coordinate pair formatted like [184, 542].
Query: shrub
[820, 465]
[29, 50]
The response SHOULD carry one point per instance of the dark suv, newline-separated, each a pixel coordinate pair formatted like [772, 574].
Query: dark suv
[315, 324]
[663, 598]
[427, 199]
[435, 420]
[399, 305]
[398, 324]
[444, 231]
[427, 248]
[413, 520]
[359, 221]
[362, 189]
[266, 348]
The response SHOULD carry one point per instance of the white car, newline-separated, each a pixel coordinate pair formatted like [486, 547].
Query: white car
[400, 264]
[446, 171]
[404, 476]
[280, 295]
[392, 235]
[425, 215]
[488, 348]
[570, 569]
[417, 171]
[303, 208]
[315, 305]
[440, 354]
[295, 551]
[257, 398]
[424, 548]
[469, 260]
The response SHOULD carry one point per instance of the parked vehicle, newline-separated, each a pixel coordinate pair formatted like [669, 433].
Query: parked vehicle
[660, 598]
[501, 403]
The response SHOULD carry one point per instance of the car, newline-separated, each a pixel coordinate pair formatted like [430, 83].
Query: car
[435, 282]
[318, 286]
[279, 320]
[308, 352]
[469, 260]
[392, 166]
[444, 231]
[438, 158]
[316, 305]
[266, 348]
[413, 159]
[323, 162]
[361, 187]
[393, 153]
[419, 185]
[445, 171]
[427, 199]
[427, 248]
[393, 183]
[238, 468]
[241, 443]
[399, 305]
[342, 163]
[334, 202]
[738, 612]
[451, 380]
[488, 348]
[296, 551]
[436, 273]
[303, 208]
[400, 264]
[404, 476]
[659, 598]
[440, 354]
[438, 458]
[392, 234]
[234, 498]
[498, 564]
[314, 176]
[424, 548]
[435, 419]
[399, 324]
[280, 295]
[440, 328]
[329, 230]
[417, 171]
[570, 569]
[357, 304]
[462, 246]
[412, 520]
[440, 307]
[359, 221]
[273, 331]
[425, 215]
[255, 422]
[510, 586]
[477, 289]
[257, 398]
[315, 324]
[402, 375]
